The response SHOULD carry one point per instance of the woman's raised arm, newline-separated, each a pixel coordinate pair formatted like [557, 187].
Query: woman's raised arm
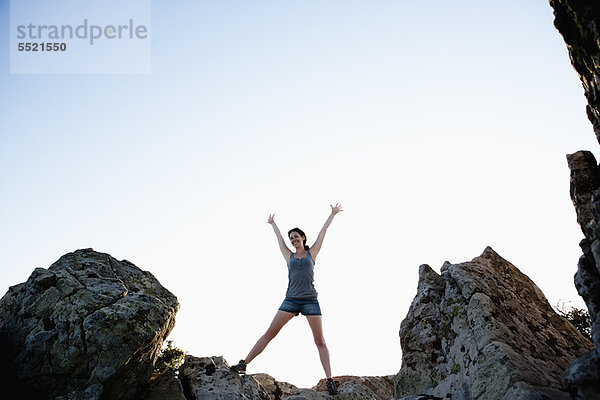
[284, 249]
[316, 247]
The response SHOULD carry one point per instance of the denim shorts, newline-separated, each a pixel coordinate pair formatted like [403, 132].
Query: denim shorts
[304, 306]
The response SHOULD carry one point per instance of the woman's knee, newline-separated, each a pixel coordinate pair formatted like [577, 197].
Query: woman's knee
[270, 334]
[320, 342]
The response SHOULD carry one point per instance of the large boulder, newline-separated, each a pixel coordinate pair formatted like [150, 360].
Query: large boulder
[484, 330]
[88, 327]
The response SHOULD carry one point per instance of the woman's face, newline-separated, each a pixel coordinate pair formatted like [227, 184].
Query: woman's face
[296, 239]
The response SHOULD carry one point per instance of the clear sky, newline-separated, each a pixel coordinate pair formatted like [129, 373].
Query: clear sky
[441, 127]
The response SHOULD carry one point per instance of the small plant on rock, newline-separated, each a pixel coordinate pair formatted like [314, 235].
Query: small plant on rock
[170, 357]
[579, 317]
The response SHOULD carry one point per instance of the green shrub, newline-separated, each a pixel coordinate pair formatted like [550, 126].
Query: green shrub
[579, 317]
[170, 357]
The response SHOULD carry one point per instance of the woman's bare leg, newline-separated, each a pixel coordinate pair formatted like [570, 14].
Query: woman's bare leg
[281, 318]
[316, 326]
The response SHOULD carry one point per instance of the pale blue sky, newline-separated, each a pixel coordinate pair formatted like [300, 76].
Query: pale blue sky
[440, 127]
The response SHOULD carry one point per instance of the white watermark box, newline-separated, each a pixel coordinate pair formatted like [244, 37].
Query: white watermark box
[80, 36]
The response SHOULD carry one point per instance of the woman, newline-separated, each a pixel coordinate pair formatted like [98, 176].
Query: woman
[301, 296]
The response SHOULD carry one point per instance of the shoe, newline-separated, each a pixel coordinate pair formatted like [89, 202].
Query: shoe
[331, 386]
[239, 368]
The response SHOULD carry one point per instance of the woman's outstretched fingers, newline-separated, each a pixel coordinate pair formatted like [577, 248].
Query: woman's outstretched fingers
[336, 209]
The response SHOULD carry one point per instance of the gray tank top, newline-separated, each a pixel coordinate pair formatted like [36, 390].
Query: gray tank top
[301, 277]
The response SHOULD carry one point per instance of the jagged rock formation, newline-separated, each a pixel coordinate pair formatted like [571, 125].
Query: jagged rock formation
[583, 376]
[483, 330]
[579, 24]
[88, 327]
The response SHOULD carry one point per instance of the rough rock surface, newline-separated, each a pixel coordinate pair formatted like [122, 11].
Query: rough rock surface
[361, 387]
[583, 376]
[165, 386]
[579, 23]
[351, 388]
[483, 330]
[88, 327]
[277, 390]
[209, 378]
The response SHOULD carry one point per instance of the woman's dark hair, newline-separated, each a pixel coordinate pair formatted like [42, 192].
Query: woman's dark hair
[301, 233]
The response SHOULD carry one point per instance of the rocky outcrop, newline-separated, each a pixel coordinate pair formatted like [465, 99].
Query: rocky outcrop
[483, 330]
[88, 327]
[583, 377]
[579, 23]
[209, 378]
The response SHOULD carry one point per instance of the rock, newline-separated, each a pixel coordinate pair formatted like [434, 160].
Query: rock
[309, 394]
[585, 180]
[421, 397]
[367, 387]
[165, 386]
[277, 390]
[484, 330]
[209, 378]
[583, 377]
[87, 327]
[350, 388]
[579, 24]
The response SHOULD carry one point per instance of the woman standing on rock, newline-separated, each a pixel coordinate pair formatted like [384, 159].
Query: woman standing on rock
[301, 296]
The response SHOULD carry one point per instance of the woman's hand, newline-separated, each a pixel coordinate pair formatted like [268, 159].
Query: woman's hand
[336, 209]
[271, 219]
